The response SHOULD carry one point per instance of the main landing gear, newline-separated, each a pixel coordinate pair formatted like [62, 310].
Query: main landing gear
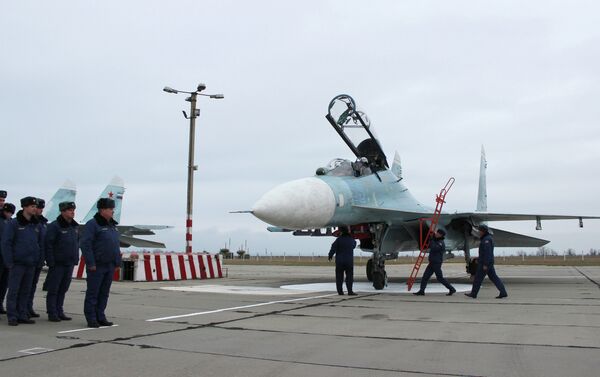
[376, 265]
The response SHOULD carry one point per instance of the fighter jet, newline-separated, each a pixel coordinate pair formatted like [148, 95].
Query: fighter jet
[114, 190]
[371, 198]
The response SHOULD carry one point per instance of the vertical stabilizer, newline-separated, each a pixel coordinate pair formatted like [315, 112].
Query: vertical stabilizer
[66, 193]
[114, 191]
[396, 166]
[482, 192]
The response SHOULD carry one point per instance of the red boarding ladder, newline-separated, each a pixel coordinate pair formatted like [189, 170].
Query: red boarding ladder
[424, 243]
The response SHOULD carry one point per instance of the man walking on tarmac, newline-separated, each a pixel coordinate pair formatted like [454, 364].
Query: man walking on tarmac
[437, 247]
[100, 249]
[486, 264]
[343, 248]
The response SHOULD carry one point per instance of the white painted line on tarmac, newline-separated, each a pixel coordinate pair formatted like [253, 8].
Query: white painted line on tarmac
[365, 287]
[86, 329]
[239, 307]
[35, 350]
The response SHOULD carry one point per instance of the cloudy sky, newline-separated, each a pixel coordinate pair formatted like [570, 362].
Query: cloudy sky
[82, 99]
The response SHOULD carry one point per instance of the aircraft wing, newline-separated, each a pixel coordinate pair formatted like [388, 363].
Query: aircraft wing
[127, 241]
[486, 216]
[476, 216]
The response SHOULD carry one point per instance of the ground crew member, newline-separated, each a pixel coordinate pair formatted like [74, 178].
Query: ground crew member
[21, 250]
[485, 266]
[343, 249]
[43, 224]
[100, 249]
[62, 254]
[5, 214]
[437, 247]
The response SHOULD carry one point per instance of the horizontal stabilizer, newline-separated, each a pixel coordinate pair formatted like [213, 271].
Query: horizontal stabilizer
[277, 229]
[502, 238]
[127, 241]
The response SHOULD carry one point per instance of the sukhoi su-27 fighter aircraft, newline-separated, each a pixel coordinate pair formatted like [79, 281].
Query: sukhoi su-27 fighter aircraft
[371, 198]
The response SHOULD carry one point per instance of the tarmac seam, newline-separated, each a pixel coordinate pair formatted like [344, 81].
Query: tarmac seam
[587, 277]
[72, 346]
[412, 339]
[477, 302]
[355, 367]
[450, 322]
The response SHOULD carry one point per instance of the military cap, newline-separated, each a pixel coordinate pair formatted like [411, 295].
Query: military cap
[105, 203]
[41, 203]
[28, 201]
[441, 231]
[9, 207]
[3, 194]
[484, 228]
[63, 206]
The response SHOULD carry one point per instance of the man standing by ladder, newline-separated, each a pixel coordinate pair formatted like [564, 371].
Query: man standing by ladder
[437, 247]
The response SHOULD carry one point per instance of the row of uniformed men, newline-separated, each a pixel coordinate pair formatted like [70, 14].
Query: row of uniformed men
[28, 240]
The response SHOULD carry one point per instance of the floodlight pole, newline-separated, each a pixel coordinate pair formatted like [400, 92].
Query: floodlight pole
[194, 113]
[190, 178]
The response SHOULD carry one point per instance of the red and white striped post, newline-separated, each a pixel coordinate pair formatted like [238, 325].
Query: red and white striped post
[188, 235]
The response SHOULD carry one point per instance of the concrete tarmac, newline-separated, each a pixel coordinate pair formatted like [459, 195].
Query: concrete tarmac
[548, 326]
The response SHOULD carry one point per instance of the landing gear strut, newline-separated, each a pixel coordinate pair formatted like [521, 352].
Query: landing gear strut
[378, 274]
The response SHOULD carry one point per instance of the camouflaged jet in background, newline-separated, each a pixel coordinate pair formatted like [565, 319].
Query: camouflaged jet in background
[114, 190]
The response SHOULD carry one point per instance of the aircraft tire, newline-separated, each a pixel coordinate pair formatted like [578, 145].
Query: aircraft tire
[370, 269]
[378, 280]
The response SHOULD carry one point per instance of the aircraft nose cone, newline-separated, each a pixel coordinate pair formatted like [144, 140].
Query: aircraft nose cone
[300, 204]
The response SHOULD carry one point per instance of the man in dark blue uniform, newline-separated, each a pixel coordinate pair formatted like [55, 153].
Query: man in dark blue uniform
[62, 254]
[21, 250]
[343, 249]
[437, 247]
[485, 266]
[100, 249]
[43, 224]
[5, 214]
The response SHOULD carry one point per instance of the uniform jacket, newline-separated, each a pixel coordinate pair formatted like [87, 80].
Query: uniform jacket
[100, 242]
[43, 224]
[343, 248]
[21, 241]
[62, 242]
[437, 247]
[3, 221]
[486, 250]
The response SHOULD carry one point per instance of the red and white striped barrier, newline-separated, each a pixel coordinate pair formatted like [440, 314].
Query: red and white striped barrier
[158, 267]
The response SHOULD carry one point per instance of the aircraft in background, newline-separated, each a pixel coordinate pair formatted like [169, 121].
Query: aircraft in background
[114, 190]
[371, 198]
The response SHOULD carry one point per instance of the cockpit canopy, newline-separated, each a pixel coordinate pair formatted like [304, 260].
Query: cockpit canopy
[340, 167]
[355, 129]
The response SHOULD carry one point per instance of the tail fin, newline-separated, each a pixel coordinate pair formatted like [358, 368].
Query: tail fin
[66, 193]
[396, 166]
[482, 192]
[115, 191]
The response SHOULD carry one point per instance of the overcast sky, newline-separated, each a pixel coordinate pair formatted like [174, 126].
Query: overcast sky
[82, 99]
